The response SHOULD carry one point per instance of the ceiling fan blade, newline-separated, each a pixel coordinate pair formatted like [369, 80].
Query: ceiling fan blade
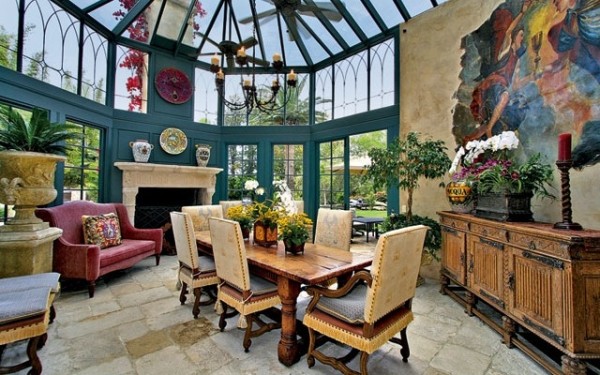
[258, 61]
[329, 10]
[198, 33]
[260, 15]
[249, 42]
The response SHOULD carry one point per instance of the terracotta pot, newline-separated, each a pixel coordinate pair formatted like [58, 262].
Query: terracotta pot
[27, 181]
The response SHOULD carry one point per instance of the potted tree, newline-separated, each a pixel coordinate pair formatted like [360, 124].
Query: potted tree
[402, 165]
[28, 157]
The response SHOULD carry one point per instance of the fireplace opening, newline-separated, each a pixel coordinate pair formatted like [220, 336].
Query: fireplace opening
[153, 205]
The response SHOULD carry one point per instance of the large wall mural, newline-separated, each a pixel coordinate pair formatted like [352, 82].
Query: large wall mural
[534, 67]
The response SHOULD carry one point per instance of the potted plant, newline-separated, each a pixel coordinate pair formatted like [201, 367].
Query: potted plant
[402, 165]
[28, 160]
[504, 180]
[243, 215]
[266, 214]
[294, 231]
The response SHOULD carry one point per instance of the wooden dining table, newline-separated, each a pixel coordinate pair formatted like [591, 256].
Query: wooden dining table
[316, 265]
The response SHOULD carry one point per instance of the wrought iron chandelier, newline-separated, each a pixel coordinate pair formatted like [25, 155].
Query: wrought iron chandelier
[252, 97]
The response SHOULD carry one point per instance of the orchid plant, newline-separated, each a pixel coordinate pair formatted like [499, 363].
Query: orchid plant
[493, 167]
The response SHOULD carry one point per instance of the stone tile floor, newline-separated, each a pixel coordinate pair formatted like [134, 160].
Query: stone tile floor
[135, 325]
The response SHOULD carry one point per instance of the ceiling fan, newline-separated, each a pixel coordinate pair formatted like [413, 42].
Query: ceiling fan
[228, 49]
[290, 9]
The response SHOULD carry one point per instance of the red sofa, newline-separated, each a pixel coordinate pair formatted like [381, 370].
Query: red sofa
[75, 260]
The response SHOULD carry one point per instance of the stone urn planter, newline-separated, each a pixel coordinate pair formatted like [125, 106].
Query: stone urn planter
[27, 181]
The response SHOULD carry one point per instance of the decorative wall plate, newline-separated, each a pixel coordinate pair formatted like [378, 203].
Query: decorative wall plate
[173, 141]
[173, 85]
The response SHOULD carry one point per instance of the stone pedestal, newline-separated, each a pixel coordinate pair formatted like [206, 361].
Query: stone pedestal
[26, 249]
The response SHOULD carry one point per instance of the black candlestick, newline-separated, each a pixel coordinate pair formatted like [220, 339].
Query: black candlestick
[565, 185]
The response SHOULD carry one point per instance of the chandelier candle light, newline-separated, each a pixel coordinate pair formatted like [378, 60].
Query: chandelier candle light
[252, 98]
[564, 163]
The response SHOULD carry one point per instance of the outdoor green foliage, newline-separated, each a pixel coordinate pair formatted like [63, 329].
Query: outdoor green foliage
[82, 167]
[405, 161]
[433, 239]
[35, 135]
[241, 167]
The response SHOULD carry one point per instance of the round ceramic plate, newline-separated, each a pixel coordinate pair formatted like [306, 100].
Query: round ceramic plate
[173, 141]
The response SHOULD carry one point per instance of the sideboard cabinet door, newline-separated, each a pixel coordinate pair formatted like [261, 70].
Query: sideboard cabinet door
[485, 263]
[536, 292]
[454, 254]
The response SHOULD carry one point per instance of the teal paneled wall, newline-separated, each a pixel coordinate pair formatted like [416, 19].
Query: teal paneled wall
[122, 127]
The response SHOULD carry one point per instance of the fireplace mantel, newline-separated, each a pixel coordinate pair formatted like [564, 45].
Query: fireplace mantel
[137, 175]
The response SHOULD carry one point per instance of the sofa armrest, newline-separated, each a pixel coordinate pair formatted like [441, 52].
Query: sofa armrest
[79, 261]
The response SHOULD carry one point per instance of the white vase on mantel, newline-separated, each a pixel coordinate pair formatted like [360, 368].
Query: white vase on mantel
[202, 154]
[141, 150]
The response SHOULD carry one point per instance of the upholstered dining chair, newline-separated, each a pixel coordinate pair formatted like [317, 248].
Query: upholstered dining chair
[195, 271]
[373, 307]
[226, 205]
[247, 294]
[200, 215]
[334, 228]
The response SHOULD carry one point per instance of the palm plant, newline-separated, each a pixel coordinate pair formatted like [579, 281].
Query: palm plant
[35, 135]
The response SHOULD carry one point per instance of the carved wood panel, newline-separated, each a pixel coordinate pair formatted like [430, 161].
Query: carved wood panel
[453, 254]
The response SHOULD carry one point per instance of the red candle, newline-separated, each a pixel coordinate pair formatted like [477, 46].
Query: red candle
[564, 146]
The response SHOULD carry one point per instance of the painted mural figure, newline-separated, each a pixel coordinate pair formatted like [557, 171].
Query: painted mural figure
[491, 106]
[577, 38]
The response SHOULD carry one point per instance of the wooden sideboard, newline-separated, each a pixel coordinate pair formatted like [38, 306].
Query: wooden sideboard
[539, 281]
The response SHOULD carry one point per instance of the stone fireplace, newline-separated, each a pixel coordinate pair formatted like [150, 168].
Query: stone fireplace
[148, 175]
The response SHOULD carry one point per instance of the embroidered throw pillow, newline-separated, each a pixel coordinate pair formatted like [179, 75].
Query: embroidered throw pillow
[101, 230]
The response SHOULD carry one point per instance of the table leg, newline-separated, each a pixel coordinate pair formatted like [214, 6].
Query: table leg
[288, 349]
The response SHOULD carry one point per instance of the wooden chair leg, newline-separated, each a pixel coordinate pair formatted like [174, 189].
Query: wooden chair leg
[52, 314]
[364, 358]
[196, 308]
[247, 342]
[157, 256]
[310, 359]
[182, 297]
[91, 288]
[32, 348]
[403, 342]
[222, 321]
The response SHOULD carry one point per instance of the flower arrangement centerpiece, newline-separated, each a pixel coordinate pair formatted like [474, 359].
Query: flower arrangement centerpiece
[254, 190]
[243, 215]
[497, 173]
[293, 231]
[266, 214]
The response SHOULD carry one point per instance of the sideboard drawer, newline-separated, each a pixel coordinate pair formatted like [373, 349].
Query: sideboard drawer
[454, 223]
[489, 231]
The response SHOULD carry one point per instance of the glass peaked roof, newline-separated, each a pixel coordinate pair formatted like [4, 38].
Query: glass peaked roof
[303, 32]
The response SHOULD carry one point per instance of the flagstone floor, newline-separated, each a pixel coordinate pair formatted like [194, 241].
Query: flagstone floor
[136, 325]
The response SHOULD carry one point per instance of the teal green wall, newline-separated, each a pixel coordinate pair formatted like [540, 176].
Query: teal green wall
[121, 127]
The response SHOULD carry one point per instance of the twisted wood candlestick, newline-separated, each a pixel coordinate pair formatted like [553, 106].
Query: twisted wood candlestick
[565, 186]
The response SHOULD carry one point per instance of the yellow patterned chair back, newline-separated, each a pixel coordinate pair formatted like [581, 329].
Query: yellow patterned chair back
[334, 228]
[200, 215]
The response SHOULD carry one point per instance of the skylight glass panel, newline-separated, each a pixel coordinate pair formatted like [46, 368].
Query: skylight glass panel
[110, 14]
[362, 17]
[172, 20]
[346, 32]
[323, 34]
[86, 3]
[390, 14]
[416, 7]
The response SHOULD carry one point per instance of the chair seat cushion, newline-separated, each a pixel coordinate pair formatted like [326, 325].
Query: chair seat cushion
[101, 230]
[48, 279]
[260, 286]
[207, 264]
[349, 308]
[23, 304]
[126, 250]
